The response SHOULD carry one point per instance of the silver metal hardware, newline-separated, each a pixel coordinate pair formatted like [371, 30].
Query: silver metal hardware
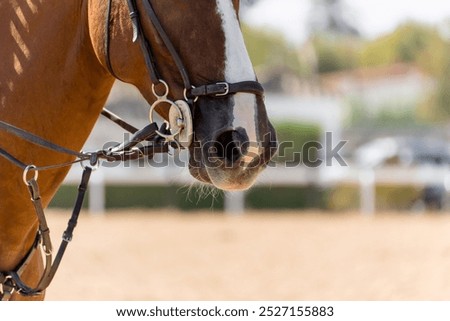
[25, 174]
[227, 88]
[92, 167]
[186, 97]
[179, 122]
[166, 93]
[183, 125]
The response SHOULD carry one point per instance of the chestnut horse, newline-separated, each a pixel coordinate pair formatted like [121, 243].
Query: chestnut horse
[58, 62]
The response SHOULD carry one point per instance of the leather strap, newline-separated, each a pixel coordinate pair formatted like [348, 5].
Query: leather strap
[10, 281]
[36, 140]
[134, 15]
[7, 287]
[120, 152]
[214, 90]
[7, 281]
[51, 266]
[167, 42]
[119, 121]
[224, 89]
[68, 233]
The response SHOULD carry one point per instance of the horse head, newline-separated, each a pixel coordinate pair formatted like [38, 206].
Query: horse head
[199, 58]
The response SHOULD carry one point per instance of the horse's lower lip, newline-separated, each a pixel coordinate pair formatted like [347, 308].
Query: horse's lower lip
[226, 179]
[234, 180]
[217, 178]
[200, 174]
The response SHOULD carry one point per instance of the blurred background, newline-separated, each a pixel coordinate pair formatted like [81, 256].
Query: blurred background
[359, 93]
[352, 208]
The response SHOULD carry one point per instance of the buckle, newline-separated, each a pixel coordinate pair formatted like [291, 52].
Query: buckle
[226, 88]
[7, 287]
[67, 237]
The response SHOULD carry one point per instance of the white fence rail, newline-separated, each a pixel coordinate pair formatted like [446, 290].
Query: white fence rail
[366, 179]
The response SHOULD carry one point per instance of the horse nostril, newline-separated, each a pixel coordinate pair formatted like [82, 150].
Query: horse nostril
[231, 145]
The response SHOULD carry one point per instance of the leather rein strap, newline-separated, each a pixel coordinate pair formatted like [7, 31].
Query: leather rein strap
[11, 281]
[143, 143]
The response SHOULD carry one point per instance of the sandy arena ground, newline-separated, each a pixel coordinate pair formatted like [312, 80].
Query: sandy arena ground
[166, 255]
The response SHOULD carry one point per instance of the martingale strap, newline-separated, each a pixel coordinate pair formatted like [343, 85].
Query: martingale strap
[6, 281]
[11, 281]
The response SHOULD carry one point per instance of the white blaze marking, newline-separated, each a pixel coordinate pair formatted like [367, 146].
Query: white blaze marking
[238, 67]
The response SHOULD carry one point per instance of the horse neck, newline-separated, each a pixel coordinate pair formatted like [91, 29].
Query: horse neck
[51, 84]
[52, 73]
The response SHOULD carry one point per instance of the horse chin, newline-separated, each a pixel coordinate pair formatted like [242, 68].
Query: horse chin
[236, 179]
[233, 180]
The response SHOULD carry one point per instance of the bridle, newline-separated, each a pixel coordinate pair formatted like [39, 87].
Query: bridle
[146, 142]
[180, 118]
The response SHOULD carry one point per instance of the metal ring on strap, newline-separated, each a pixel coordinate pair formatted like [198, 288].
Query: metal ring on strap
[164, 96]
[186, 97]
[25, 174]
[164, 100]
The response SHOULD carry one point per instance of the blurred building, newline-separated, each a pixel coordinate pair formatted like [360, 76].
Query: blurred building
[396, 86]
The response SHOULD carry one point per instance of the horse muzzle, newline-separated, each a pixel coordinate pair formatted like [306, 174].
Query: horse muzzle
[231, 161]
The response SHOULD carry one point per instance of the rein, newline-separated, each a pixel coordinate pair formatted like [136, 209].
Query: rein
[143, 143]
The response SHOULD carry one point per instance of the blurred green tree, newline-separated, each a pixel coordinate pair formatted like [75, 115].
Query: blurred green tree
[408, 43]
[293, 138]
[335, 54]
[437, 107]
[270, 50]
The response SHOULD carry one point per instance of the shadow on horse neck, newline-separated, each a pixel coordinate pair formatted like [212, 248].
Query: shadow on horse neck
[58, 62]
